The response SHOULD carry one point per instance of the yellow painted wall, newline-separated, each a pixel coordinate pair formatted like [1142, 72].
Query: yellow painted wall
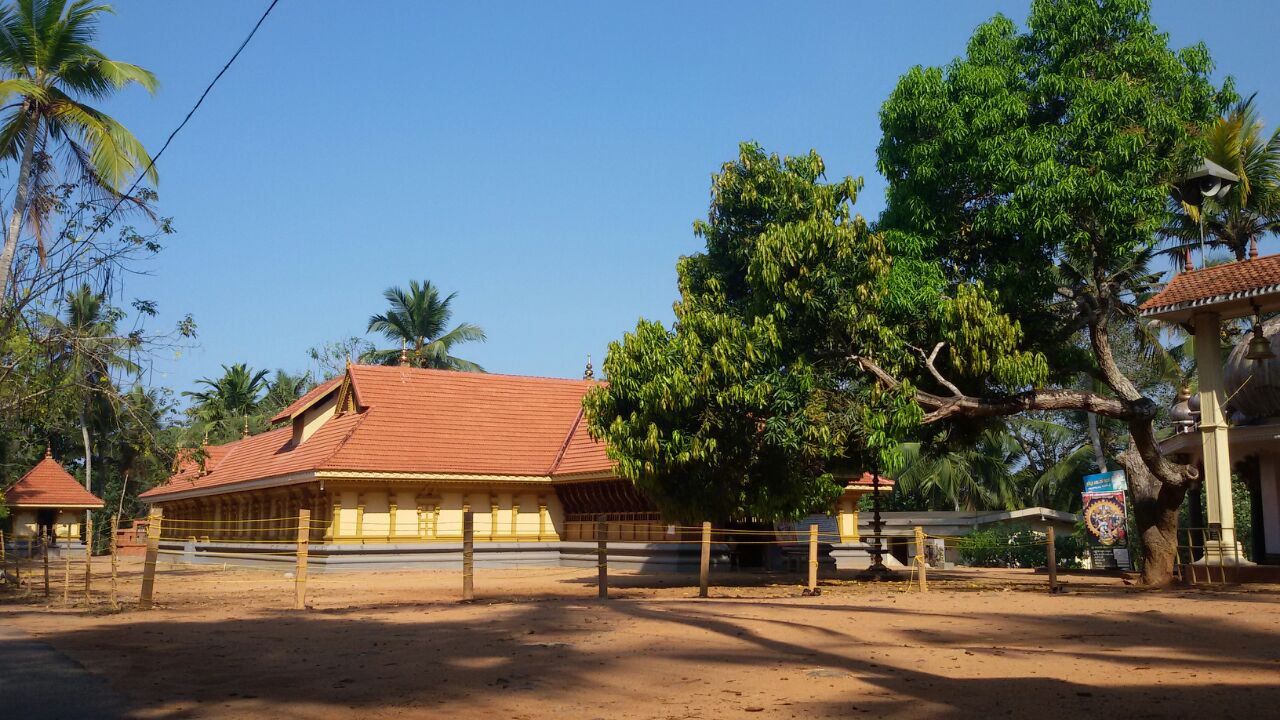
[66, 525]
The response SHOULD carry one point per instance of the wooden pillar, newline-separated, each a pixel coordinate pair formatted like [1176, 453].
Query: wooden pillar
[300, 572]
[493, 517]
[391, 515]
[468, 557]
[813, 558]
[704, 565]
[153, 551]
[88, 557]
[542, 518]
[921, 565]
[1051, 553]
[602, 558]
[515, 517]
[115, 561]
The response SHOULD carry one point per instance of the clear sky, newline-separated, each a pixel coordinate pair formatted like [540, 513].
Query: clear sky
[543, 160]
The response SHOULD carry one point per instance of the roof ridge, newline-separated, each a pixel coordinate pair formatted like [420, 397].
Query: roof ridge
[568, 439]
[462, 375]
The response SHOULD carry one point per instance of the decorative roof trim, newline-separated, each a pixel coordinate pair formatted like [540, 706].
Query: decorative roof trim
[258, 484]
[1213, 300]
[435, 477]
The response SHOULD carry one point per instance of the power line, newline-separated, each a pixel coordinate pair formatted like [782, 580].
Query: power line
[119, 201]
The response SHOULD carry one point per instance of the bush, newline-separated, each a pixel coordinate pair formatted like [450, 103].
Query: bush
[1022, 547]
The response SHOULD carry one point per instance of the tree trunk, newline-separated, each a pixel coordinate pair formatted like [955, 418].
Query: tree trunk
[88, 452]
[22, 196]
[1095, 438]
[1155, 511]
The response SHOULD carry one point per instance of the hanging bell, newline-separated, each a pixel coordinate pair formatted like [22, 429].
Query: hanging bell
[1259, 346]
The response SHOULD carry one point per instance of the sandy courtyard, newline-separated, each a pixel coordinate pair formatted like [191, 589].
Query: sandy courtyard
[536, 643]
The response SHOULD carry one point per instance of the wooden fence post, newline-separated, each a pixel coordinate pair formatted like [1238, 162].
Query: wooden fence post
[1051, 553]
[602, 557]
[813, 558]
[920, 559]
[468, 555]
[153, 551]
[115, 562]
[704, 565]
[88, 556]
[300, 572]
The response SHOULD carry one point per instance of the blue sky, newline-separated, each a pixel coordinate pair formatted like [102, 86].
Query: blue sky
[543, 160]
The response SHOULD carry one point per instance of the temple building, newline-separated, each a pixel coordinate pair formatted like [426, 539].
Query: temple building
[387, 459]
[1232, 425]
[47, 503]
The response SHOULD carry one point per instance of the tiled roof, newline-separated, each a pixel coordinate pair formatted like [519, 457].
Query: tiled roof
[418, 421]
[582, 453]
[307, 399]
[869, 480]
[1230, 282]
[48, 485]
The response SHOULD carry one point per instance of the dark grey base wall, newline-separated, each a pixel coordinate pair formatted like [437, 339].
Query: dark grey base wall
[648, 557]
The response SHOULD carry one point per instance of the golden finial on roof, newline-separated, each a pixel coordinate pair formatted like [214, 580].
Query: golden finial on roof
[589, 373]
[1253, 248]
[404, 354]
[245, 432]
[1190, 267]
[205, 442]
[48, 450]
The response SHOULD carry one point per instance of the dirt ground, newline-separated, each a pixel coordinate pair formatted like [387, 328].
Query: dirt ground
[536, 643]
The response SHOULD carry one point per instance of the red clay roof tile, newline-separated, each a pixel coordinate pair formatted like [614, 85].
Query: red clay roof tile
[49, 485]
[419, 421]
[1217, 284]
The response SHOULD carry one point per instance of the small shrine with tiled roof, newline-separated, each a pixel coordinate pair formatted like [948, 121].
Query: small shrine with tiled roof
[1234, 421]
[387, 459]
[48, 502]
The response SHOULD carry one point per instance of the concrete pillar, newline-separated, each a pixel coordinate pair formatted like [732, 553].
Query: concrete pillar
[1213, 435]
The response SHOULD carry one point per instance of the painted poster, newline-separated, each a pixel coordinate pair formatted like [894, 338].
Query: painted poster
[1111, 481]
[1106, 520]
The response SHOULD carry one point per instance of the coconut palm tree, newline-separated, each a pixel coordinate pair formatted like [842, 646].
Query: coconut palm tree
[47, 69]
[977, 475]
[229, 399]
[88, 349]
[417, 320]
[1251, 210]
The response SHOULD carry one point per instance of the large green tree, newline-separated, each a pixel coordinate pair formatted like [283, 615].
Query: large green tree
[48, 69]
[418, 319]
[1027, 180]
[88, 351]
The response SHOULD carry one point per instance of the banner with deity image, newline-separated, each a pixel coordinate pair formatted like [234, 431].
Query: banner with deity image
[1106, 519]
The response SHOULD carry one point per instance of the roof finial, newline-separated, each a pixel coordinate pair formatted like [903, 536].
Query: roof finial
[1253, 248]
[205, 442]
[404, 353]
[48, 450]
[245, 432]
[589, 374]
[348, 358]
[1190, 266]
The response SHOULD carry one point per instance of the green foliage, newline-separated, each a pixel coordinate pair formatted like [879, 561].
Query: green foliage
[417, 319]
[1020, 547]
[1049, 147]
[1251, 209]
[241, 399]
[743, 409]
